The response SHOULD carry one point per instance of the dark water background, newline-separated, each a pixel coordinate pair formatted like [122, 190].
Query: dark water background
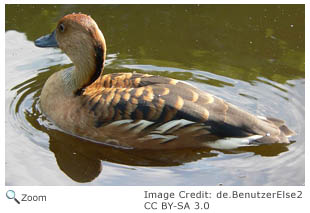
[250, 55]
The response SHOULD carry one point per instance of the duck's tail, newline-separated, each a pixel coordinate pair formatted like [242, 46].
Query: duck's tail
[281, 124]
[267, 131]
[284, 131]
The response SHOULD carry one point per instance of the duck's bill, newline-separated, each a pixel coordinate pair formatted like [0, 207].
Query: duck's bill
[47, 40]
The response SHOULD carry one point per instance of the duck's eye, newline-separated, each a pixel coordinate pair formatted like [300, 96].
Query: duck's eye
[62, 27]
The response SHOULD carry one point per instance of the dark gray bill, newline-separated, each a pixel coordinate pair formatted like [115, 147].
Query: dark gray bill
[47, 40]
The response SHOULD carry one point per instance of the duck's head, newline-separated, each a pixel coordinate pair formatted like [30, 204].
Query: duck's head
[79, 37]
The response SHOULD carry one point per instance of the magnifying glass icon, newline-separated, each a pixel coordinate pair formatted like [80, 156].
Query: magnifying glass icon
[11, 195]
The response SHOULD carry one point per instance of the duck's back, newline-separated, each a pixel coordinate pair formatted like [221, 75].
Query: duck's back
[145, 111]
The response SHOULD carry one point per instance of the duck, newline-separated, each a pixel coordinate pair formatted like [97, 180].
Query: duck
[137, 110]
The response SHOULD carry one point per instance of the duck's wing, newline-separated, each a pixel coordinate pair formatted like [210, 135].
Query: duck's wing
[147, 97]
[160, 100]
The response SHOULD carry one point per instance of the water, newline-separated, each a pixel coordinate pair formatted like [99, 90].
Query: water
[251, 56]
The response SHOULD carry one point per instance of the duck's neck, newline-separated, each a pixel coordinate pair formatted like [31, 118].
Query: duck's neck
[89, 65]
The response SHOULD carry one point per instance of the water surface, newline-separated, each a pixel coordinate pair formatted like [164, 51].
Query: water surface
[249, 55]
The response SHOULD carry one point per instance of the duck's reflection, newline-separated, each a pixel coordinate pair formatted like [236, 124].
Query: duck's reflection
[81, 159]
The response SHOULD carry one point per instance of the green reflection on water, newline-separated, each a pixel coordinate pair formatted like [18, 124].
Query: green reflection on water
[239, 41]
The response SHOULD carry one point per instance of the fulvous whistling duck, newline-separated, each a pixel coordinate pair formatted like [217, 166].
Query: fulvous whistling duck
[140, 111]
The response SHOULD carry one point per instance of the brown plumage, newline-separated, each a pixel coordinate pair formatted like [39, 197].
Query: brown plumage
[139, 110]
